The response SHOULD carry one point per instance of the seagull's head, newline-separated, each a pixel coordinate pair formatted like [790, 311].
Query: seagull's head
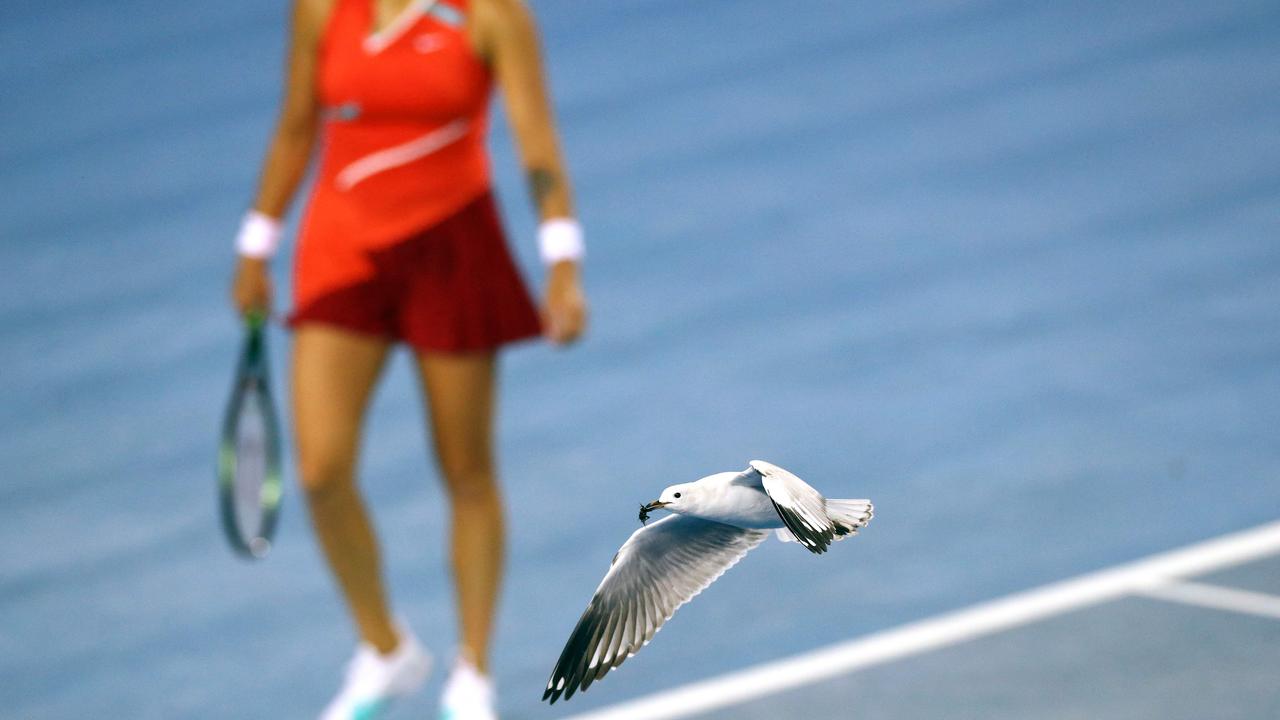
[676, 499]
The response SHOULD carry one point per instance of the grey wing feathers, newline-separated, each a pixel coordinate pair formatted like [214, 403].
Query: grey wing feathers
[802, 509]
[656, 571]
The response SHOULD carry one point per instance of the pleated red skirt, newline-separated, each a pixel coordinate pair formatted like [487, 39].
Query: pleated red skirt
[451, 288]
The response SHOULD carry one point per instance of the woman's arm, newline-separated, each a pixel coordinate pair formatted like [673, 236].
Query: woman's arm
[504, 33]
[288, 153]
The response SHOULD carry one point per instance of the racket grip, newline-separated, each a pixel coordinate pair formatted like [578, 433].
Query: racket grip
[255, 319]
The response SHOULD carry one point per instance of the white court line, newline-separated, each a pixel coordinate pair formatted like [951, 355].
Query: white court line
[949, 628]
[1217, 597]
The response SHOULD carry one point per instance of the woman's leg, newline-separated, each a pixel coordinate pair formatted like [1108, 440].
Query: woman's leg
[460, 391]
[334, 372]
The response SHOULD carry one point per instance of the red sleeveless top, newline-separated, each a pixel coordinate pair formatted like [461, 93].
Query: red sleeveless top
[405, 114]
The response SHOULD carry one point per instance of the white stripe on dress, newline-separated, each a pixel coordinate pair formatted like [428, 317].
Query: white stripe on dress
[379, 41]
[402, 154]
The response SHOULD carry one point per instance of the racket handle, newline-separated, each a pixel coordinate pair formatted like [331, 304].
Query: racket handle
[254, 355]
[255, 319]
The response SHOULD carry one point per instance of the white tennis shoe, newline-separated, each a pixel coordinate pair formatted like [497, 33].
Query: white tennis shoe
[468, 694]
[373, 680]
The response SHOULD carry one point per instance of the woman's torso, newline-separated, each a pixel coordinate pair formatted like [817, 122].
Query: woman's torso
[404, 122]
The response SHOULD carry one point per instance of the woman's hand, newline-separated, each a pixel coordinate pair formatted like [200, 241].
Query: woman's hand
[564, 316]
[251, 287]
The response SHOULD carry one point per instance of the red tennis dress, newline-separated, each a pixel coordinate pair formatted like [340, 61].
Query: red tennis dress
[401, 237]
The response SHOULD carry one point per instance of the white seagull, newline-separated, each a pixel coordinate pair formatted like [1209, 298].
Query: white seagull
[661, 566]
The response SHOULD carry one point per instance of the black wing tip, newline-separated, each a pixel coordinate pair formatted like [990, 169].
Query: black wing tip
[815, 542]
[815, 548]
[558, 687]
[571, 672]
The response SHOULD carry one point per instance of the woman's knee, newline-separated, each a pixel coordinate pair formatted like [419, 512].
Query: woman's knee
[472, 483]
[321, 474]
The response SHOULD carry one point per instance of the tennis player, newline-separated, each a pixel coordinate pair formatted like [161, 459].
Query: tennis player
[401, 243]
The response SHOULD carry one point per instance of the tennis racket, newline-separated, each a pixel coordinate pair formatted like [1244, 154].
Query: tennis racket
[249, 476]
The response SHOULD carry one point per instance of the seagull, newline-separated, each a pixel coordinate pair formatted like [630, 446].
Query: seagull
[662, 566]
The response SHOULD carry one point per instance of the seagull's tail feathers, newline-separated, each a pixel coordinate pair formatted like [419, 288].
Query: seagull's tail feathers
[849, 516]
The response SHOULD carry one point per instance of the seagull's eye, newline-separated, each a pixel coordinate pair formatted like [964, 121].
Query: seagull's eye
[677, 495]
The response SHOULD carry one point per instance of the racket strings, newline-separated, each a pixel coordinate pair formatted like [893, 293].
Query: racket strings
[252, 491]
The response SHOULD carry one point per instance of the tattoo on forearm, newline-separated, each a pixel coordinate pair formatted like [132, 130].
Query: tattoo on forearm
[542, 182]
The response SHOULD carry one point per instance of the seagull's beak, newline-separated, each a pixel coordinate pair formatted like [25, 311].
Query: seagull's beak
[646, 509]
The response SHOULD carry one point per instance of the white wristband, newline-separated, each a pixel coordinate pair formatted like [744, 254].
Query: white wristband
[259, 235]
[560, 239]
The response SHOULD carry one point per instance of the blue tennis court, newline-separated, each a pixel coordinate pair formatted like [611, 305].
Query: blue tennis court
[1011, 270]
[1187, 633]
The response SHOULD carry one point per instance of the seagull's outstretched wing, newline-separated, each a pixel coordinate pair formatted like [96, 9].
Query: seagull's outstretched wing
[802, 509]
[658, 569]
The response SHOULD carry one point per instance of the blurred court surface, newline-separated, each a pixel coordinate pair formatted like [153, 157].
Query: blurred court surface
[1010, 269]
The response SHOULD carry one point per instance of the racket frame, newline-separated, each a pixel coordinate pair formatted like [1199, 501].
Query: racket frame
[251, 384]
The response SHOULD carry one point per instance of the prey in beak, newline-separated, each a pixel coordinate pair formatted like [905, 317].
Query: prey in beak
[646, 509]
